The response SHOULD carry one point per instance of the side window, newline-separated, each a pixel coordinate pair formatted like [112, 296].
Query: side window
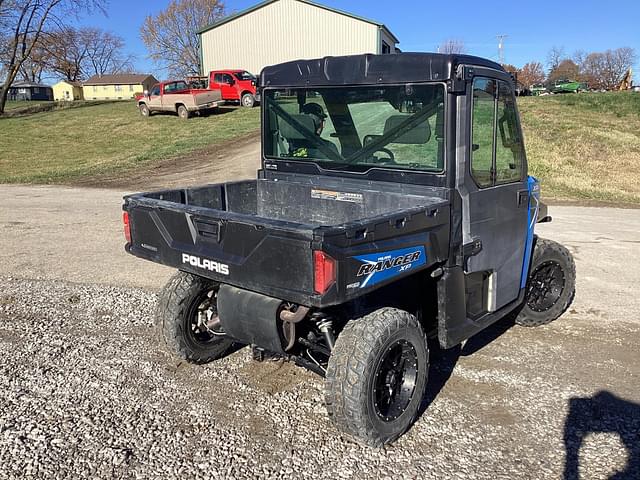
[228, 78]
[217, 78]
[484, 95]
[155, 90]
[509, 151]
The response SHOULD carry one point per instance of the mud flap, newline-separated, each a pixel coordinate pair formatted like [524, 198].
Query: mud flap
[250, 317]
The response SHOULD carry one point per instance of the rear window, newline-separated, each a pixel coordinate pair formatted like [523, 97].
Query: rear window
[358, 128]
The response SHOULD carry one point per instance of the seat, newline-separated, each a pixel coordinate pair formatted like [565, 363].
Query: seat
[420, 133]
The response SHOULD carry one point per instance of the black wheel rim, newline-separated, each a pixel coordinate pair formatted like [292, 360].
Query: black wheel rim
[395, 380]
[202, 309]
[546, 285]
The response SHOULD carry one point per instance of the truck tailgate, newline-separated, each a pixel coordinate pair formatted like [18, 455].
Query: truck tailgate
[223, 246]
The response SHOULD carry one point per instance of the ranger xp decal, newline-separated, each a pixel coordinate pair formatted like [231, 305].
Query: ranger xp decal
[377, 267]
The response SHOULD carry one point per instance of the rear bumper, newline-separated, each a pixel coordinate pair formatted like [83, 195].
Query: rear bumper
[208, 106]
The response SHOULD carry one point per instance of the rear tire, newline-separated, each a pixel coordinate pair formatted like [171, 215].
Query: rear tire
[551, 285]
[183, 112]
[376, 376]
[180, 314]
[248, 100]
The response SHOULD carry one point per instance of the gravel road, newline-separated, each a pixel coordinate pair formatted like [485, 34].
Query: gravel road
[86, 391]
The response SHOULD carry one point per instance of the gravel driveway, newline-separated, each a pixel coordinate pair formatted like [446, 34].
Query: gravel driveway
[86, 392]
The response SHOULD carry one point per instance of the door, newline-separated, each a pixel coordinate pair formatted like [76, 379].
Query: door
[226, 83]
[496, 204]
[155, 99]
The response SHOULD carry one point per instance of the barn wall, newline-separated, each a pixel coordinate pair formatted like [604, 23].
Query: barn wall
[282, 31]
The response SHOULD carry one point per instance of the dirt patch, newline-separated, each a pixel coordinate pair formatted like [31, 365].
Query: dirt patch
[273, 376]
[231, 160]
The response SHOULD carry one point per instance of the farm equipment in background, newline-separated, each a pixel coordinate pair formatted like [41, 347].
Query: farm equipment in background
[568, 86]
[538, 89]
[627, 80]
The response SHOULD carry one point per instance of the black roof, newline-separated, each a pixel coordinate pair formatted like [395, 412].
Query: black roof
[369, 69]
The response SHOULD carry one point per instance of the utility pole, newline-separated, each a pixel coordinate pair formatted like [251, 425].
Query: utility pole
[501, 47]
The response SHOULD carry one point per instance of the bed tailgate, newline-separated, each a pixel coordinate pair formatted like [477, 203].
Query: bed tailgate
[270, 257]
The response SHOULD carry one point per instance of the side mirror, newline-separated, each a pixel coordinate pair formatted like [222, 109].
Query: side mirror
[231, 81]
[146, 93]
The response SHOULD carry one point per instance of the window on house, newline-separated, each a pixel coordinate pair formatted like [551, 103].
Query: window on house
[118, 88]
[131, 88]
[36, 90]
[385, 48]
[95, 89]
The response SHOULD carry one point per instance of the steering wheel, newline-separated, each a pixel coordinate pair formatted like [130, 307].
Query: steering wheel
[391, 159]
[371, 138]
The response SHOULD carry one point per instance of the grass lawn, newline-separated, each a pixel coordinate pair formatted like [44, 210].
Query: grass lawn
[57, 146]
[584, 146]
[15, 104]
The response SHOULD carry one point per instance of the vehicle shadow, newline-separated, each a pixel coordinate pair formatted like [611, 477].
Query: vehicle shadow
[443, 362]
[602, 413]
[203, 114]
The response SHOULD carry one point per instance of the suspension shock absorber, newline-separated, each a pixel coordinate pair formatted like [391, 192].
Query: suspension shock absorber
[325, 325]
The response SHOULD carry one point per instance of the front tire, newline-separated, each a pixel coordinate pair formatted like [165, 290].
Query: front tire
[185, 304]
[144, 110]
[248, 100]
[551, 285]
[376, 376]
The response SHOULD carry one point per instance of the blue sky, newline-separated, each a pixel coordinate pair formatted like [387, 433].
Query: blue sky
[533, 27]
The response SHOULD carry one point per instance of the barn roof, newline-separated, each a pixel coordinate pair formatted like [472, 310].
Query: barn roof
[308, 2]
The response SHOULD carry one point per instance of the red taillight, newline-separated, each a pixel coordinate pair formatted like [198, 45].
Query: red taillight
[324, 271]
[127, 227]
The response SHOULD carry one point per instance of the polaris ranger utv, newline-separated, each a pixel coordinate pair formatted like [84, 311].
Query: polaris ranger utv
[393, 205]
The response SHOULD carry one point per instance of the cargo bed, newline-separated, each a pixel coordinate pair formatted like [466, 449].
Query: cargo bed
[260, 234]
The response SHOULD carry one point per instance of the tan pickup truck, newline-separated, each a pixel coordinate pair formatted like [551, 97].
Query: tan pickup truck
[178, 97]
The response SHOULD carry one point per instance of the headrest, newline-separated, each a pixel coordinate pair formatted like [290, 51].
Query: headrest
[420, 133]
[291, 133]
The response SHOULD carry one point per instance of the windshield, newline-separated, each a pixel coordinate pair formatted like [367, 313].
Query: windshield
[358, 128]
[244, 76]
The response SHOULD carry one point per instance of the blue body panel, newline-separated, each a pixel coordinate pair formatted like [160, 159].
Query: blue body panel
[532, 217]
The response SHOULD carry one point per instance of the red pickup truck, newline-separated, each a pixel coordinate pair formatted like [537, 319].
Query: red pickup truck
[235, 86]
[178, 97]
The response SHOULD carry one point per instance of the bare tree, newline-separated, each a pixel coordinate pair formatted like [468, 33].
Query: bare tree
[604, 70]
[33, 67]
[616, 63]
[452, 46]
[23, 22]
[66, 53]
[531, 73]
[105, 53]
[171, 36]
[76, 54]
[555, 56]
